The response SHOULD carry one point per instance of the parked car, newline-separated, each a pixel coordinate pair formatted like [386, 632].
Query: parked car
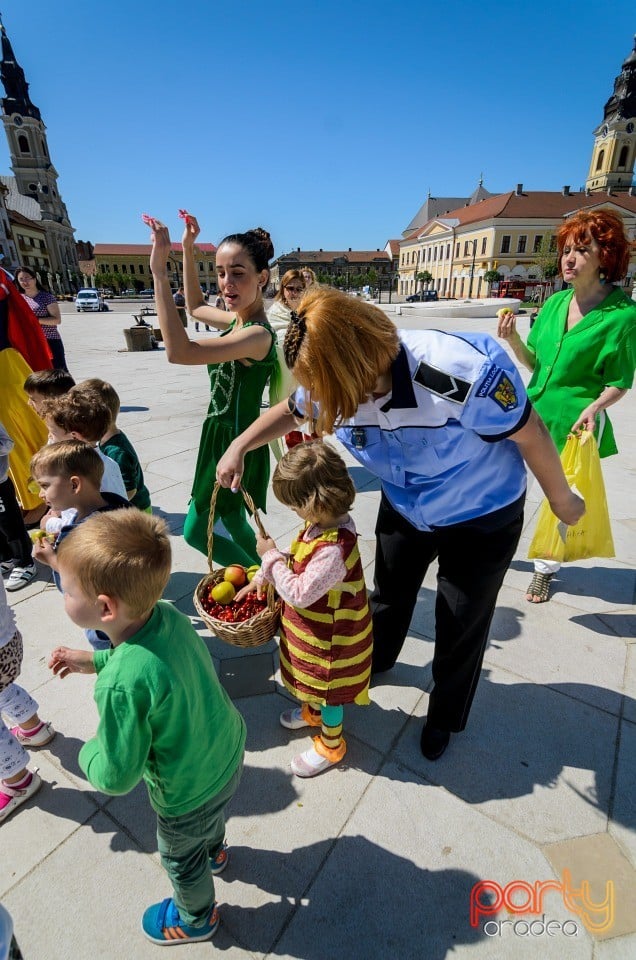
[147, 293]
[89, 300]
[424, 296]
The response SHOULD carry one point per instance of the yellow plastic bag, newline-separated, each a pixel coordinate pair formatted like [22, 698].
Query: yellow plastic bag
[592, 535]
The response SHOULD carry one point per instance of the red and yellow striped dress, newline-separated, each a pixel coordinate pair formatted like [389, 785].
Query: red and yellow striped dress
[325, 649]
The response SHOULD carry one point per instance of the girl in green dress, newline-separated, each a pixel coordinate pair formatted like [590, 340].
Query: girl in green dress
[240, 361]
[582, 348]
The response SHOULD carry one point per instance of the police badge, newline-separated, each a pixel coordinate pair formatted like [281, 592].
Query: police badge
[504, 393]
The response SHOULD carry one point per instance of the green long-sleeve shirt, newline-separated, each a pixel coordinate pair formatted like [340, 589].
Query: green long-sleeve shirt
[163, 716]
[573, 367]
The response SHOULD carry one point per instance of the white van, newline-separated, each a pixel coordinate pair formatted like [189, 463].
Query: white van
[88, 299]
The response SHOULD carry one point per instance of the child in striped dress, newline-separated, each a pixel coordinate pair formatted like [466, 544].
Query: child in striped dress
[326, 636]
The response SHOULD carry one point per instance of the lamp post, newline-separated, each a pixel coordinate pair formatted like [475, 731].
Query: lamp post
[472, 269]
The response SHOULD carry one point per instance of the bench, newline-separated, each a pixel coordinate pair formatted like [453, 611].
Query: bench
[140, 318]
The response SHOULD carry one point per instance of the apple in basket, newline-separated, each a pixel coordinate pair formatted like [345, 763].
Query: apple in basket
[223, 592]
[236, 575]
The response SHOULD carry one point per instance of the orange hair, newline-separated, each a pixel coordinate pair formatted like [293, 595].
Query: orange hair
[347, 344]
[607, 228]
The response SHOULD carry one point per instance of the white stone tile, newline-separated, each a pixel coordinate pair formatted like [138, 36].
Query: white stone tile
[623, 823]
[533, 758]
[403, 869]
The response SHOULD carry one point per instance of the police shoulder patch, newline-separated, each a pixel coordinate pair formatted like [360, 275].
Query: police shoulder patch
[442, 384]
[503, 392]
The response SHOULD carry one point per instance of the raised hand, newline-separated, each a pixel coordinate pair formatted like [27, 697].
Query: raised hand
[191, 229]
[160, 246]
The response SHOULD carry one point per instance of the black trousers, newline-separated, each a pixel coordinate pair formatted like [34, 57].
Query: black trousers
[57, 352]
[472, 564]
[15, 543]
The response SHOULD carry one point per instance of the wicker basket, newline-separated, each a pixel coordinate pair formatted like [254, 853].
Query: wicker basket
[247, 633]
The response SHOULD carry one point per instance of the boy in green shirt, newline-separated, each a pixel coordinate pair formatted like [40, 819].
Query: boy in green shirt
[116, 445]
[163, 715]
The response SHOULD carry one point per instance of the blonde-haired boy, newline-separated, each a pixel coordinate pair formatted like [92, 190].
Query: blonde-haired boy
[164, 716]
[83, 416]
[69, 474]
[116, 445]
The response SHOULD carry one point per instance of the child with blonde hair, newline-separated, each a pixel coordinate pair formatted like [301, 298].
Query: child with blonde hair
[116, 445]
[69, 474]
[326, 637]
[163, 715]
[82, 416]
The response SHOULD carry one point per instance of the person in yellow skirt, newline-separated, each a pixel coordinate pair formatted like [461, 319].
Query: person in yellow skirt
[326, 638]
[23, 349]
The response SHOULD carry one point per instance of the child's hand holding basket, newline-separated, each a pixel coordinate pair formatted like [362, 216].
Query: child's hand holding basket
[244, 618]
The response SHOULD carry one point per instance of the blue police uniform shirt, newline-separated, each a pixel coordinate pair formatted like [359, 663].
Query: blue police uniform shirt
[438, 441]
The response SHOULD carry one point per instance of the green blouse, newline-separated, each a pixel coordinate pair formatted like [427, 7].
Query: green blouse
[573, 367]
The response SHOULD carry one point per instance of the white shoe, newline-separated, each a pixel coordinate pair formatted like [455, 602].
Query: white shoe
[310, 763]
[7, 566]
[20, 577]
[44, 735]
[298, 718]
[18, 796]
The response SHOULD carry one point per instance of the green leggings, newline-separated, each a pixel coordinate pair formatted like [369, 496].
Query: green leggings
[241, 548]
[186, 844]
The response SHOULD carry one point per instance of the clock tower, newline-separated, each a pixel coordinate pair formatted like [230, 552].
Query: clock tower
[614, 152]
[35, 175]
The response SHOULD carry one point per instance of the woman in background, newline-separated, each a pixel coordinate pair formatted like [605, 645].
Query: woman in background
[582, 348]
[46, 309]
[287, 299]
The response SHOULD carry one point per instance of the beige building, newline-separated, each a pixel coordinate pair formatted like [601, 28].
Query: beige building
[503, 233]
[459, 240]
[133, 260]
[29, 237]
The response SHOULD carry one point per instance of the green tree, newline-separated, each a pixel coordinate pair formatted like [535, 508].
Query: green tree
[124, 281]
[491, 276]
[425, 276]
[546, 262]
[105, 280]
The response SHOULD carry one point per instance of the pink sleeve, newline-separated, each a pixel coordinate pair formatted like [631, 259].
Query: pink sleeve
[325, 569]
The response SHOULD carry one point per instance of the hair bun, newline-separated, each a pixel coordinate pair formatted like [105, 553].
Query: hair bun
[265, 239]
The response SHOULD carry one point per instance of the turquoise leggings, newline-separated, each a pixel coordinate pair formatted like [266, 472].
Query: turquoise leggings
[332, 716]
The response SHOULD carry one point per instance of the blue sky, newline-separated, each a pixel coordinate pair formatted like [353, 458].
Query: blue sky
[325, 122]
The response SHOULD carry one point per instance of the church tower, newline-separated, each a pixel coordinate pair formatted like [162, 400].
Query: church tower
[614, 152]
[35, 175]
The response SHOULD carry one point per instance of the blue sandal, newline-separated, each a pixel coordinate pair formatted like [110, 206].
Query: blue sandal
[162, 924]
